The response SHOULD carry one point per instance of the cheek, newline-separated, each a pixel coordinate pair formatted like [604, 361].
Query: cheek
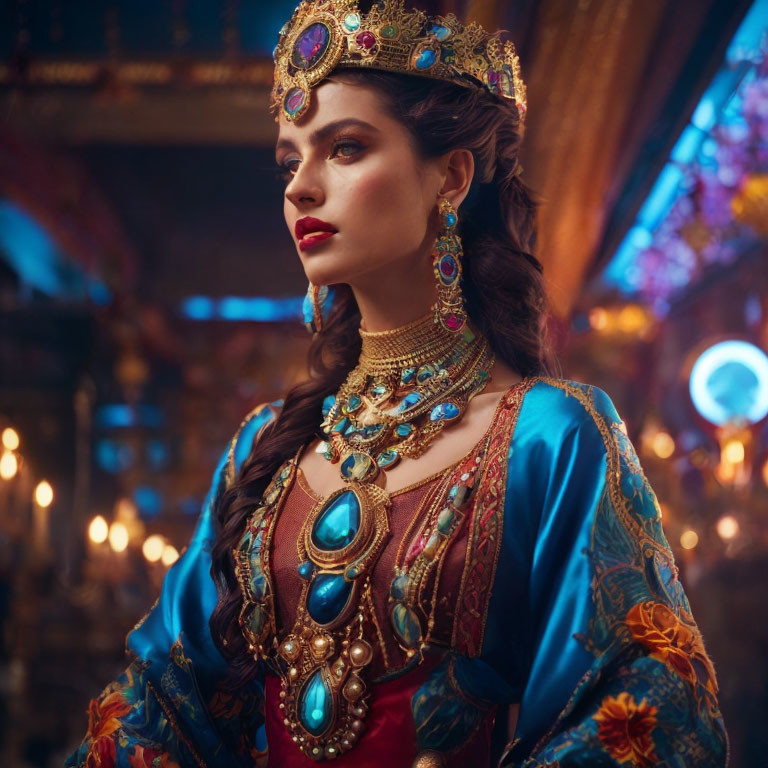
[386, 204]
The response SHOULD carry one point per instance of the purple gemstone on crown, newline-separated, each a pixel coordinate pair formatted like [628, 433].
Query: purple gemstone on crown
[310, 46]
[295, 100]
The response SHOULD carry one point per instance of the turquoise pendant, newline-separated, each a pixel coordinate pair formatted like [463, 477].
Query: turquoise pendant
[337, 525]
[315, 706]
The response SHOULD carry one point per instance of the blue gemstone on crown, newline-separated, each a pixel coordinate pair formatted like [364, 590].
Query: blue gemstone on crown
[352, 22]
[444, 412]
[426, 59]
[315, 709]
[328, 595]
[310, 46]
[439, 31]
[338, 524]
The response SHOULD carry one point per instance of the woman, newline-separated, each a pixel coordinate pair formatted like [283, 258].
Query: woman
[433, 553]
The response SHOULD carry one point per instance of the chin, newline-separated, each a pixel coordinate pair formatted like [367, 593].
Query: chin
[326, 270]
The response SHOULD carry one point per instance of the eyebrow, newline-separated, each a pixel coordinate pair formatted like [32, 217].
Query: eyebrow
[322, 134]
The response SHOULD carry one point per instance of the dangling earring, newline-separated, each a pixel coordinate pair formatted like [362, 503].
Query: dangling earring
[447, 255]
[317, 306]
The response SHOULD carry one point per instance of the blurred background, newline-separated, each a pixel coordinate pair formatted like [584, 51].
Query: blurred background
[149, 298]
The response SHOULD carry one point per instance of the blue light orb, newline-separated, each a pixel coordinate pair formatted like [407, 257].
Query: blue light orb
[729, 383]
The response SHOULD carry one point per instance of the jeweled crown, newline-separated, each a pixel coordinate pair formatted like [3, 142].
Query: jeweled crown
[328, 34]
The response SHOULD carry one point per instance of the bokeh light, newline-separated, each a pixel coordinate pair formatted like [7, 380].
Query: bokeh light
[118, 537]
[43, 494]
[153, 548]
[98, 530]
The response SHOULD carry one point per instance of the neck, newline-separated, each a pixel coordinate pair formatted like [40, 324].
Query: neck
[391, 299]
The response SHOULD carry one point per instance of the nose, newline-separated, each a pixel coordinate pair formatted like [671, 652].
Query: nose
[305, 189]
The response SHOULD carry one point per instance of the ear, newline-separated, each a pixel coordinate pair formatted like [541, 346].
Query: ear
[458, 169]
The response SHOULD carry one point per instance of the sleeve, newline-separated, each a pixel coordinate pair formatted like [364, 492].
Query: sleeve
[165, 710]
[617, 672]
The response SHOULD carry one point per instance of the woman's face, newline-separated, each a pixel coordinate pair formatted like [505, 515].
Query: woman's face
[354, 170]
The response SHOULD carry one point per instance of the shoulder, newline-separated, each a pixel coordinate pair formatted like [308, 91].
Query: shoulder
[557, 408]
[240, 445]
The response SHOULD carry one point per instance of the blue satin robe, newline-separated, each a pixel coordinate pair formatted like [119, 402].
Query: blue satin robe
[587, 628]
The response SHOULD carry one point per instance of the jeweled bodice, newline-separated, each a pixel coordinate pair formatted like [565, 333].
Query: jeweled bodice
[405, 504]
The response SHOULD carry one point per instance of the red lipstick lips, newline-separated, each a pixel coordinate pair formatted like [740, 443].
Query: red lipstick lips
[311, 231]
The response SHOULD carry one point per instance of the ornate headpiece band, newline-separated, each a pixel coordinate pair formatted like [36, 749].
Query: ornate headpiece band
[328, 34]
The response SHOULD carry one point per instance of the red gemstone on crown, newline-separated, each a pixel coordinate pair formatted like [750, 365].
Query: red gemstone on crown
[366, 40]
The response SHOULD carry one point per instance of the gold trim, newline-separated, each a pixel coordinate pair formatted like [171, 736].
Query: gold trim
[171, 717]
[230, 462]
[517, 394]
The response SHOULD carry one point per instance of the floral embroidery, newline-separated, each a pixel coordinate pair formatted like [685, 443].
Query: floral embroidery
[103, 720]
[669, 640]
[625, 727]
[147, 757]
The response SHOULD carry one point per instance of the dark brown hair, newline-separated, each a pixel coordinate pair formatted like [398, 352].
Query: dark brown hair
[502, 285]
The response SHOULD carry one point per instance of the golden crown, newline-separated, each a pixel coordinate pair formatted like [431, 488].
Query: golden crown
[328, 34]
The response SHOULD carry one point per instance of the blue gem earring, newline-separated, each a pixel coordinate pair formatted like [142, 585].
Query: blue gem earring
[317, 307]
[446, 259]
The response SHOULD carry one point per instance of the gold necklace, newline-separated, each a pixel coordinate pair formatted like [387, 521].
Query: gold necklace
[408, 385]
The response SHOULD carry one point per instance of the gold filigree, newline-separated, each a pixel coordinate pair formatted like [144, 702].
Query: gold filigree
[334, 34]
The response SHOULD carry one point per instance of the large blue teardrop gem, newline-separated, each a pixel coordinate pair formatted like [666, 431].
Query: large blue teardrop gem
[338, 524]
[310, 46]
[328, 595]
[315, 708]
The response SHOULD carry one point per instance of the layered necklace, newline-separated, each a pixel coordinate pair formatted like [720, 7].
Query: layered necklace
[410, 383]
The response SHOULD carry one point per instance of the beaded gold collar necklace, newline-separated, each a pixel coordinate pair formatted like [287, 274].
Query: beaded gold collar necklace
[409, 384]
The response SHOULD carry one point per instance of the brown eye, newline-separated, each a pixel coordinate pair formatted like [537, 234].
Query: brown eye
[287, 170]
[345, 148]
